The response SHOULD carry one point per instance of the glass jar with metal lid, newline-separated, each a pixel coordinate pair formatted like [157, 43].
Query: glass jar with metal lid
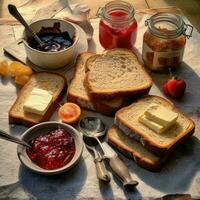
[164, 41]
[117, 27]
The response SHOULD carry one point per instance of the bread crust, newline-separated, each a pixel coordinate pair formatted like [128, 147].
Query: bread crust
[154, 167]
[16, 119]
[145, 163]
[145, 141]
[113, 94]
[93, 106]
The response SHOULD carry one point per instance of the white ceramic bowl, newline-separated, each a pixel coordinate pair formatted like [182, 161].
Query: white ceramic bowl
[51, 60]
[41, 129]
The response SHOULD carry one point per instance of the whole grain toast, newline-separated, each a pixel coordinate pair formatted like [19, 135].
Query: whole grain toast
[116, 73]
[161, 144]
[52, 82]
[133, 149]
[77, 91]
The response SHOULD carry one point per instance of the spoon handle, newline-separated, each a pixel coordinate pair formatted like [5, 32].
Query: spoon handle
[14, 12]
[102, 172]
[11, 138]
[122, 172]
[117, 166]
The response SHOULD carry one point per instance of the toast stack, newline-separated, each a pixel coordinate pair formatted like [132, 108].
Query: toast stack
[148, 148]
[78, 93]
[102, 82]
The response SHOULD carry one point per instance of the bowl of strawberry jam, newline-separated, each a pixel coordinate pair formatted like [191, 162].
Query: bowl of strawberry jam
[55, 148]
[117, 27]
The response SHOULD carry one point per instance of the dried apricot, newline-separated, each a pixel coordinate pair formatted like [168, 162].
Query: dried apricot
[17, 69]
[22, 80]
[4, 68]
[14, 67]
[25, 70]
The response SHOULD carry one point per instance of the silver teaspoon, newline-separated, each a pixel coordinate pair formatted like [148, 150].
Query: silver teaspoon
[94, 128]
[14, 12]
[6, 136]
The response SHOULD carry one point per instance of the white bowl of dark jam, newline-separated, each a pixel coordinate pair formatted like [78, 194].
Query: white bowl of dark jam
[60, 38]
[55, 148]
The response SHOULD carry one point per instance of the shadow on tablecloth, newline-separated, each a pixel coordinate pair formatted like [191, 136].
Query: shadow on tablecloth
[59, 187]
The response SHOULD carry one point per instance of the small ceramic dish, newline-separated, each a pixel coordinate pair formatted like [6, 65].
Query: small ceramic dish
[44, 128]
[51, 60]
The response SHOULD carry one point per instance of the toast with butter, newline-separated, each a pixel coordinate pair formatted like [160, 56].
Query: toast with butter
[77, 91]
[133, 149]
[127, 119]
[22, 110]
[116, 73]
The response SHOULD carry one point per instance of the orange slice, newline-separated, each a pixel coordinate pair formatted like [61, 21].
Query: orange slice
[69, 113]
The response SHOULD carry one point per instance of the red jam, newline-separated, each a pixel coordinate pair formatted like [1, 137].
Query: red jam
[52, 150]
[121, 35]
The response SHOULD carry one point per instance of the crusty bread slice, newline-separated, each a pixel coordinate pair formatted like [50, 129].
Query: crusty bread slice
[54, 83]
[127, 120]
[116, 73]
[77, 92]
[133, 149]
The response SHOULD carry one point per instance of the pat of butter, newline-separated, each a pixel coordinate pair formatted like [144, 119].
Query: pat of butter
[151, 124]
[161, 115]
[38, 102]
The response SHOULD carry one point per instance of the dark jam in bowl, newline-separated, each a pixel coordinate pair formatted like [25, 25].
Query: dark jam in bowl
[52, 150]
[54, 39]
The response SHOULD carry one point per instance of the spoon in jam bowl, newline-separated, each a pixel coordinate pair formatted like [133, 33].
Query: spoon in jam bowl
[6, 136]
[93, 128]
[14, 12]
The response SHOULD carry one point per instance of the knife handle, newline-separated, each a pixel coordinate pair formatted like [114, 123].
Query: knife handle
[121, 171]
[102, 172]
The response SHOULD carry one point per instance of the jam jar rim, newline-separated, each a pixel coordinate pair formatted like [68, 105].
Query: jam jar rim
[119, 5]
[166, 17]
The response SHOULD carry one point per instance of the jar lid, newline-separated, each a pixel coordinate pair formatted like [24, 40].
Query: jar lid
[167, 26]
[125, 11]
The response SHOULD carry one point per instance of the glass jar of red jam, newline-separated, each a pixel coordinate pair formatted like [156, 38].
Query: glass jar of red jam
[164, 41]
[117, 27]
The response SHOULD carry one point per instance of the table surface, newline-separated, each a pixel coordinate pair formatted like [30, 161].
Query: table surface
[180, 175]
[191, 9]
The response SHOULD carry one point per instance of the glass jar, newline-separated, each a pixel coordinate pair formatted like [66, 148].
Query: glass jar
[164, 41]
[117, 27]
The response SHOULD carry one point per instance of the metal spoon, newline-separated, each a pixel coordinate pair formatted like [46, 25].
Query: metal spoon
[14, 12]
[102, 172]
[11, 138]
[94, 128]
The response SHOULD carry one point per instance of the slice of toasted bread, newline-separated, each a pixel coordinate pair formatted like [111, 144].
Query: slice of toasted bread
[133, 149]
[54, 83]
[77, 92]
[116, 73]
[127, 120]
